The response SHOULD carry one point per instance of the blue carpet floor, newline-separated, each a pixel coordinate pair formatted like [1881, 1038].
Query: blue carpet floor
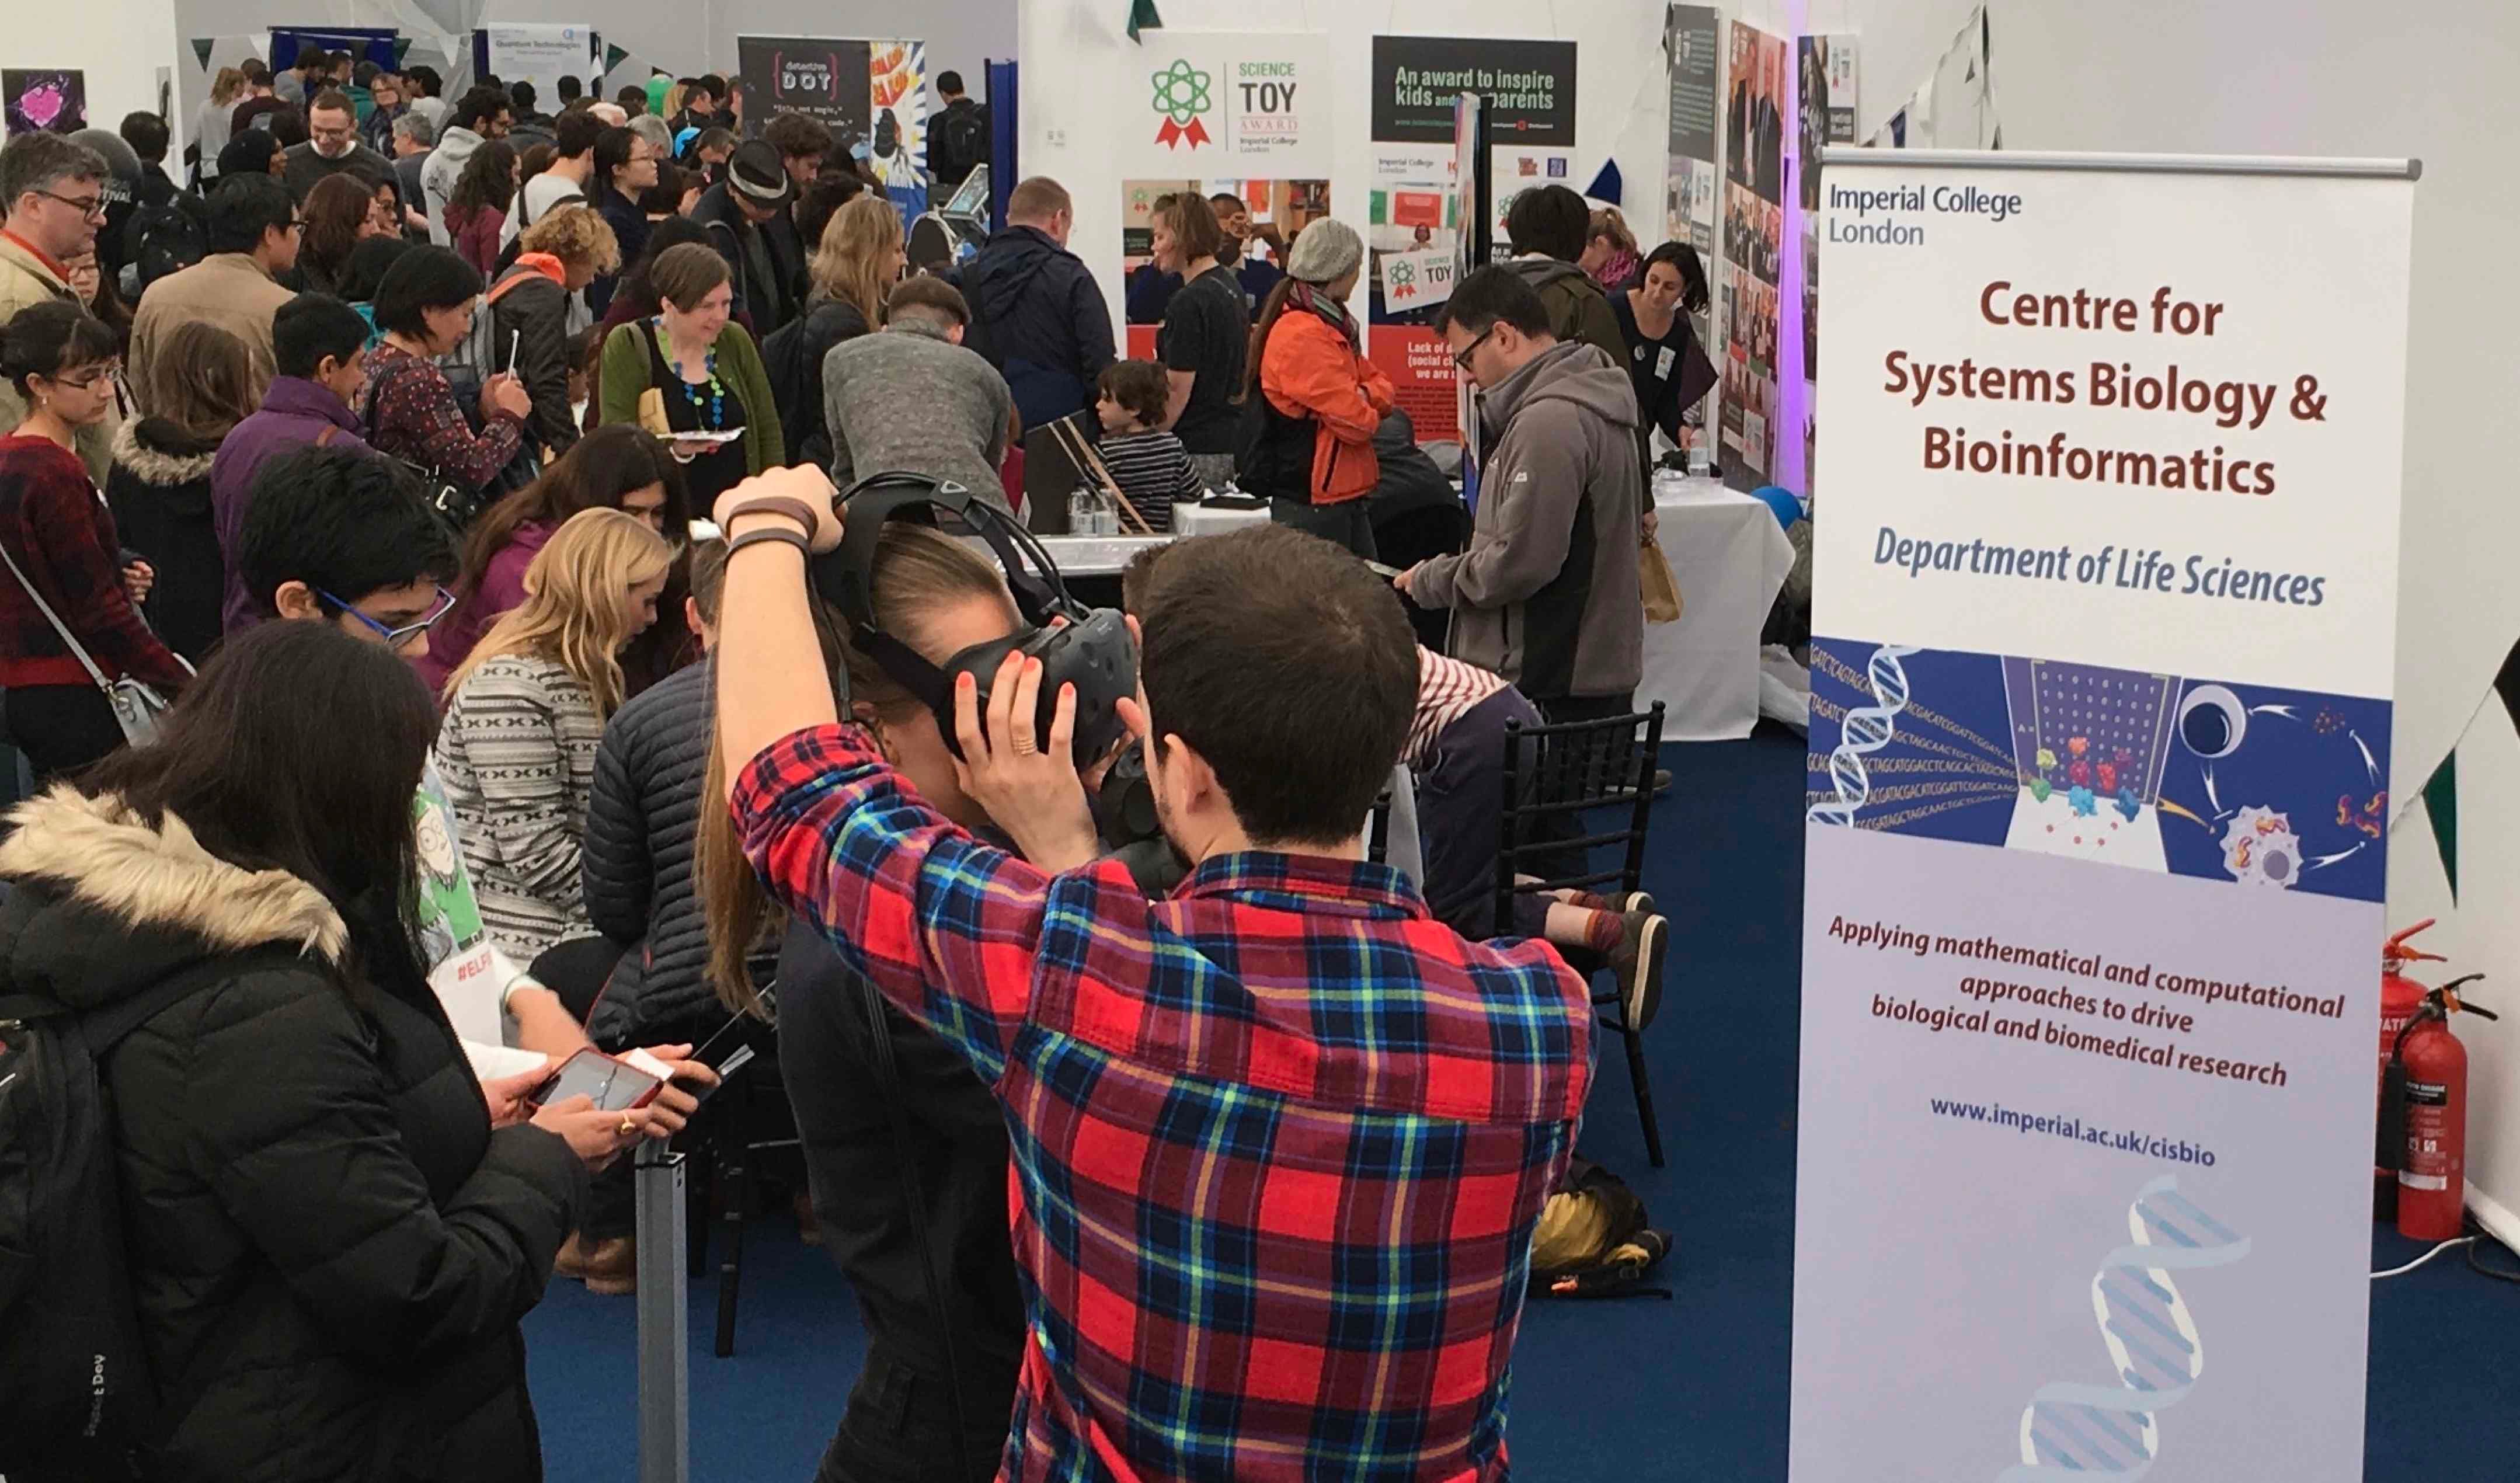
[1695, 1387]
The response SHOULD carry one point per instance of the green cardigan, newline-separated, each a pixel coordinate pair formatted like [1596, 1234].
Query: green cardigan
[625, 374]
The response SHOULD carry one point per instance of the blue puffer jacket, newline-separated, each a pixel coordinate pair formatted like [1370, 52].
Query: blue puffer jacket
[642, 879]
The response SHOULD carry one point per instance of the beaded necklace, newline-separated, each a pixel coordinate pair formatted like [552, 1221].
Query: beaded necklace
[713, 417]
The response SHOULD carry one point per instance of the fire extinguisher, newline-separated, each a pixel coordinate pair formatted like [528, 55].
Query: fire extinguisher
[2423, 1116]
[2399, 998]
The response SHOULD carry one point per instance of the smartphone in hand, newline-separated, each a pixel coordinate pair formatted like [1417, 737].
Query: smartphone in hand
[617, 1086]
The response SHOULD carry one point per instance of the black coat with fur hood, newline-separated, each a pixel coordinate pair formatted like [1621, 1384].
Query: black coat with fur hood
[329, 1244]
[160, 490]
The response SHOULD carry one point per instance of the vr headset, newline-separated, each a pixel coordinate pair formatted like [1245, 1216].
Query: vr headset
[1091, 650]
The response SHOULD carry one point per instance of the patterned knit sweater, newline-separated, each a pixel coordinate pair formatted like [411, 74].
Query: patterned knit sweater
[516, 753]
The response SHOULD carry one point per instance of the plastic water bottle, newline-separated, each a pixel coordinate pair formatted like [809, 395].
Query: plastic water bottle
[1080, 512]
[1702, 456]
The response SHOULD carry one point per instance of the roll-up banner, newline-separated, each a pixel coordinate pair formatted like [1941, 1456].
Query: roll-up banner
[2095, 825]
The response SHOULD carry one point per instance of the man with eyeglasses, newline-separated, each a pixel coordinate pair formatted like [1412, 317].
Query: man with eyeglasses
[1547, 595]
[332, 146]
[53, 191]
[253, 235]
[320, 345]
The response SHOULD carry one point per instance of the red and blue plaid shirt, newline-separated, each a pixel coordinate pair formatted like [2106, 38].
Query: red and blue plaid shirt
[1280, 1140]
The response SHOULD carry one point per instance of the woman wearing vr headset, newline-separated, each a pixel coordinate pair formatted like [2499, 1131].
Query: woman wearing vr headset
[939, 597]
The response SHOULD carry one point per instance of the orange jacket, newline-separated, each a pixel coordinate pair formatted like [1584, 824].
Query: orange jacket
[1309, 370]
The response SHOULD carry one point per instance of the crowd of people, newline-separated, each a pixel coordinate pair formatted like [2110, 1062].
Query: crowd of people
[383, 696]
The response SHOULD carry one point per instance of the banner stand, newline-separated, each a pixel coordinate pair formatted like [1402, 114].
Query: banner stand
[2103, 663]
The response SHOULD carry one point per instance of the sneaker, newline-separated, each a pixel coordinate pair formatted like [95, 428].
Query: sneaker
[1637, 962]
[1662, 783]
[611, 1266]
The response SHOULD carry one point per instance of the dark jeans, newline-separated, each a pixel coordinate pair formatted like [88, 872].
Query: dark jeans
[61, 728]
[1345, 523]
[1458, 798]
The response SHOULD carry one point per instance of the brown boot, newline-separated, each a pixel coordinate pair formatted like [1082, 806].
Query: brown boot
[572, 1261]
[809, 1227]
[611, 1266]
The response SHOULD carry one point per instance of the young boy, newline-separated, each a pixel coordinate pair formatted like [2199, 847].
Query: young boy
[1149, 465]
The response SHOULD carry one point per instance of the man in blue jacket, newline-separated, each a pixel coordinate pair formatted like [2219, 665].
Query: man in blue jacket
[1037, 314]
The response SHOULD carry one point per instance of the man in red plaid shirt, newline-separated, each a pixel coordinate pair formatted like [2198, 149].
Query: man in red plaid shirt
[1279, 1138]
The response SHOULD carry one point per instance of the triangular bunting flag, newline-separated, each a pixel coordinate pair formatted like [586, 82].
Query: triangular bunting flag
[2440, 806]
[202, 50]
[613, 56]
[1608, 186]
[1143, 17]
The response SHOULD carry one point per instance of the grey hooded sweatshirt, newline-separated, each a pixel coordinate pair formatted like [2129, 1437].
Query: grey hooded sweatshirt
[439, 174]
[1546, 594]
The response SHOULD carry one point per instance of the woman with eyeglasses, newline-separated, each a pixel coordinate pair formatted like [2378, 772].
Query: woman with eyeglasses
[69, 621]
[620, 467]
[525, 712]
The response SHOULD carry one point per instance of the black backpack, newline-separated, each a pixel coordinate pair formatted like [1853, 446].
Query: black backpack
[162, 239]
[81, 1401]
[792, 356]
[958, 139]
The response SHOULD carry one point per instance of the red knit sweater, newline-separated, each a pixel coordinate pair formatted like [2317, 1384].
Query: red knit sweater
[61, 536]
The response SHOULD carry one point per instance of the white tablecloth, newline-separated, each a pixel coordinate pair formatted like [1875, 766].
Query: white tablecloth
[1731, 557]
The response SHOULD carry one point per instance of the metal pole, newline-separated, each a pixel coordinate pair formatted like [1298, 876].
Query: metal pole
[664, 1316]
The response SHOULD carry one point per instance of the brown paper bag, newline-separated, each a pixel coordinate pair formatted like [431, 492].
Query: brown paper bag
[651, 412]
[1662, 592]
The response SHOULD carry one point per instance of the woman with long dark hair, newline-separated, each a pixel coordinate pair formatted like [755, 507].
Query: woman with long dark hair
[339, 213]
[620, 467]
[1671, 370]
[1320, 398]
[159, 489]
[476, 210]
[69, 604]
[332, 1227]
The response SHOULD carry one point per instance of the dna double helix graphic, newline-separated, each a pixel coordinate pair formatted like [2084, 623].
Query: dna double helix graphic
[1867, 729]
[2082, 1431]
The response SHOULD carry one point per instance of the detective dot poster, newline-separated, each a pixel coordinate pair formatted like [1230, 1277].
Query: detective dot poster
[873, 96]
[2096, 829]
[1413, 223]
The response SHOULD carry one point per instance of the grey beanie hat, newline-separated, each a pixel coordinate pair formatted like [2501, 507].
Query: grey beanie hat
[1325, 252]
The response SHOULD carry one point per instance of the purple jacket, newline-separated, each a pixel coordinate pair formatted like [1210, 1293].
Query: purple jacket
[500, 592]
[294, 411]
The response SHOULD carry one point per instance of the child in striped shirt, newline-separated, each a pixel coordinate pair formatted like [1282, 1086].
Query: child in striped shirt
[1149, 465]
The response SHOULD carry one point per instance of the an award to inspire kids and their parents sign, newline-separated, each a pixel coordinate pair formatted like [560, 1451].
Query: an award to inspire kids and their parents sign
[2100, 698]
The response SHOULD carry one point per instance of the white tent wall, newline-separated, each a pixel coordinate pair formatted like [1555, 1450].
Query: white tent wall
[2318, 77]
[118, 44]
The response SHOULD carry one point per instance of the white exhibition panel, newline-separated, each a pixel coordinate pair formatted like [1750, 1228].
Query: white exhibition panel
[2087, 1076]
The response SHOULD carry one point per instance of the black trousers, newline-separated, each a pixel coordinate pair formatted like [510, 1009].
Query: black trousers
[61, 728]
[905, 1422]
[1346, 524]
[1458, 798]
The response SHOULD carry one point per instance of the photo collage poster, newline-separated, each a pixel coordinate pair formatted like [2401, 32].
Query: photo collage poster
[1414, 220]
[1826, 107]
[1754, 217]
[873, 96]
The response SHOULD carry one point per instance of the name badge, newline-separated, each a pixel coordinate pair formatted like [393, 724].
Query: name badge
[1663, 364]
